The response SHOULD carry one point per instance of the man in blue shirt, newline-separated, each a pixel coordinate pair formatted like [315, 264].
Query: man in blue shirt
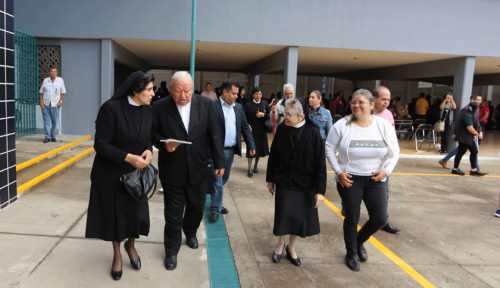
[232, 124]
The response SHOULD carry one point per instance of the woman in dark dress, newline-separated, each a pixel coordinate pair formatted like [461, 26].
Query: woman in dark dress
[257, 112]
[123, 143]
[296, 171]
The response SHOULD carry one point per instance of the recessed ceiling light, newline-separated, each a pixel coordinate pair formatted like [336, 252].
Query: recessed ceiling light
[198, 50]
[356, 58]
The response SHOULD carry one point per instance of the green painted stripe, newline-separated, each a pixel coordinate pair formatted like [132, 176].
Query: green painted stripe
[221, 267]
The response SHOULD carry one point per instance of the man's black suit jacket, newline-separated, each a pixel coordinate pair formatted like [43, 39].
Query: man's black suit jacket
[241, 125]
[188, 163]
[116, 136]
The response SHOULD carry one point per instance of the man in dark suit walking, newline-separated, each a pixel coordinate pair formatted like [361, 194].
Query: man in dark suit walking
[183, 168]
[232, 124]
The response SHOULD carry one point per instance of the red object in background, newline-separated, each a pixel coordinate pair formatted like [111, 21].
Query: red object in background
[274, 119]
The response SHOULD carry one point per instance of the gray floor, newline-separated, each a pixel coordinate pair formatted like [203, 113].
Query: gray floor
[449, 236]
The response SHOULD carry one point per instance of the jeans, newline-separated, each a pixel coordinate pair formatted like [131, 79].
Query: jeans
[454, 152]
[219, 182]
[50, 115]
[374, 194]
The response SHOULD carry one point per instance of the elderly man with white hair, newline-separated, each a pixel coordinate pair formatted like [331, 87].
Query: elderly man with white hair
[280, 106]
[182, 167]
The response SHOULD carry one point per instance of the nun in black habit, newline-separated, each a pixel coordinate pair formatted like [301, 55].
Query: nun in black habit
[123, 143]
[296, 172]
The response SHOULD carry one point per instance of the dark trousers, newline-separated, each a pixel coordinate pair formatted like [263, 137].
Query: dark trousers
[445, 135]
[462, 148]
[175, 199]
[374, 194]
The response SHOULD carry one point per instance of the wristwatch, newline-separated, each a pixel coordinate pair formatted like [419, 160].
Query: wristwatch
[60, 101]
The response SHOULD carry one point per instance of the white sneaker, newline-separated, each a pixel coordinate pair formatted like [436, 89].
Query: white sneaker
[497, 214]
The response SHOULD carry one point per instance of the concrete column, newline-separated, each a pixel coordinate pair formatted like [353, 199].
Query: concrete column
[330, 81]
[462, 82]
[197, 81]
[462, 85]
[306, 83]
[377, 83]
[291, 63]
[107, 70]
[489, 94]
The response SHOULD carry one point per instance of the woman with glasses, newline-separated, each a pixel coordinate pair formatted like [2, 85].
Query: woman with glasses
[296, 172]
[368, 152]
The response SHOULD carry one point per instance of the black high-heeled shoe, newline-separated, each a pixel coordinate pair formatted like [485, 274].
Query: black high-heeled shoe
[295, 261]
[135, 263]
[116, 275]
[277, 257]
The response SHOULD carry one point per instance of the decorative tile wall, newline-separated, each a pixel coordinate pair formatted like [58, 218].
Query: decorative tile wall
[8, 188]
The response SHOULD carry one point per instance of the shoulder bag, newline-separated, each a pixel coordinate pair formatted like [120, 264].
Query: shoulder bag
[439, 126]
[139, 182]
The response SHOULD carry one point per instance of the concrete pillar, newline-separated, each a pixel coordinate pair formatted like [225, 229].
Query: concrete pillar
[462, 84]
[330, 81]
[306, 83]
[489, 94]
[107, 70]
[197, 81]
[377, 83]
[291, 63]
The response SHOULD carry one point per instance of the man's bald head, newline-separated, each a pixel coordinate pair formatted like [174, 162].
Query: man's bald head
[382, 97]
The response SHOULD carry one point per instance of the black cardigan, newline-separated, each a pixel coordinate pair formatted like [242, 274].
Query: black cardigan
[117, 135]
[302, 168]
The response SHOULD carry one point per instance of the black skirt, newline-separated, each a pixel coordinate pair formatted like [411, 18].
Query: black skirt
[115, 215]
[261, 146]
[294, 213]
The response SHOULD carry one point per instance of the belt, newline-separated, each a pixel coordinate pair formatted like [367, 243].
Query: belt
[232, 147]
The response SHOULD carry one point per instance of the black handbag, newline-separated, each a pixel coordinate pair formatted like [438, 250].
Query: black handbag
[139, 182]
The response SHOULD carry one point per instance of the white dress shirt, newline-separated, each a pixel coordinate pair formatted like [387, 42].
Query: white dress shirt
[185, 112]
[52, 91]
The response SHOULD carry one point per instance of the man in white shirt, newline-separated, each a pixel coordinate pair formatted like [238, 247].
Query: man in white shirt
[280, 106]
[51, 98]
[209, 93]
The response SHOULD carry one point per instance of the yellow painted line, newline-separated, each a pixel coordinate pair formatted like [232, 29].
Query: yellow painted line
[48, 154]
[398, 261]
[52, 171]
[428, 174]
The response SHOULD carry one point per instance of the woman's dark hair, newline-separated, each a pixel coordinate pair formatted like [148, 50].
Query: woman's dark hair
[142, 84]
[255, 90]
[239, 90]
[473, 107]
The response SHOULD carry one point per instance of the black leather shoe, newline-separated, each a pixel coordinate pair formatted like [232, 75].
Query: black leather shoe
[116, 275]
[477, 173]
[213, 217]
[250, 173]
[255, 170]
[389, 228]
[457, 171]
[362, 255]
[277, 257]
[295, 261]
[224, 210]
[135, 263]
[171, 262]
[352, 262]
[192, 242]
[46, 140]
[53, 140]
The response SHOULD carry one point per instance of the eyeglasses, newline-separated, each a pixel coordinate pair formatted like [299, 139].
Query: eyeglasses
[354, 103]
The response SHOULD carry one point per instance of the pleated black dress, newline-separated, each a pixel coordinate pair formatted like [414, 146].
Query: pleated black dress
[113, 215]
[297, 166]
[258, 127]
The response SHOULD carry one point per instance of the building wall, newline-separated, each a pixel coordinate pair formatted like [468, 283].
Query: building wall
[8, 185]
[426, 26]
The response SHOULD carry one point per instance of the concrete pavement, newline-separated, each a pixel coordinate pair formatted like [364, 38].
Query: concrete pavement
[449, 236]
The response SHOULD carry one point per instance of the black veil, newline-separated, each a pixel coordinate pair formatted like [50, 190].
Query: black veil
[127, 87]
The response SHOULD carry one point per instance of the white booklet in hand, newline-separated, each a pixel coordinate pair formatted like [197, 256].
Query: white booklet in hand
[176, 141]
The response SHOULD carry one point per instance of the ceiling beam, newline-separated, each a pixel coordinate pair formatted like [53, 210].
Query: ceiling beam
[431, 69]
